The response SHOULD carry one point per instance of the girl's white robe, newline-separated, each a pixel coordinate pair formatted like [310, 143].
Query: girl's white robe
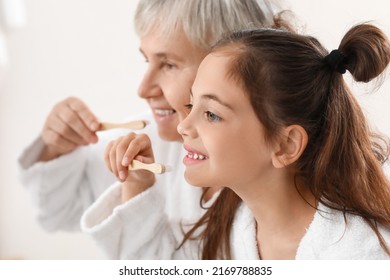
[125, 234]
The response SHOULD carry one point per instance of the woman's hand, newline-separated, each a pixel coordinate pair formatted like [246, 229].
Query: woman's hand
[118, 156]
[69, 125]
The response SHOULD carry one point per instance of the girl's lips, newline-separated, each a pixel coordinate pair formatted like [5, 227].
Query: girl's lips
[193, 156]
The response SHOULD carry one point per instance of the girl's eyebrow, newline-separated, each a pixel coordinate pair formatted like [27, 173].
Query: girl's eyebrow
[215, 98]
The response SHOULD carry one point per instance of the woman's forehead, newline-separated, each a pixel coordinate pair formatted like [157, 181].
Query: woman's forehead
[175, 46]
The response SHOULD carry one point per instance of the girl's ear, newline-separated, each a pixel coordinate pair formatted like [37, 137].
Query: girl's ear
[290, 146]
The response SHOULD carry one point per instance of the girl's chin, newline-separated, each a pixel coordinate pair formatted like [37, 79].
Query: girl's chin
[194, 180]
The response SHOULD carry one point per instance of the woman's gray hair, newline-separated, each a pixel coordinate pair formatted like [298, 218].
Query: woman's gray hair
[203, 21]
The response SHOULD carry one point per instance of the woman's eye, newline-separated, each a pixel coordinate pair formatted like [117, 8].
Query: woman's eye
[169, 66]
[189, 106]
[212, 117]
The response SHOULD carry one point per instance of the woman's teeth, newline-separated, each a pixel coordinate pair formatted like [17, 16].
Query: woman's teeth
[196, 156]
[164, 112]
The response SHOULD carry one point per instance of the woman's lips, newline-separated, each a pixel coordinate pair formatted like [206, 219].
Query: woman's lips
[162, 115]
[164, 112]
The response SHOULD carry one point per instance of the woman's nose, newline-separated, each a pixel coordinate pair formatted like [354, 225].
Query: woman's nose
[149, 86]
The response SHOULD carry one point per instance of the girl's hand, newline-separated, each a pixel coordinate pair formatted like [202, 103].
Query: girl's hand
[118, 156]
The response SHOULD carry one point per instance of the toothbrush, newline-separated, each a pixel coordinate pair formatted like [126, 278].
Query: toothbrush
[156, 168]
[132, 125]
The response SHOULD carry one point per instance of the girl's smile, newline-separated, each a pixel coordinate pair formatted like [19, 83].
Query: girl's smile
[193, 156]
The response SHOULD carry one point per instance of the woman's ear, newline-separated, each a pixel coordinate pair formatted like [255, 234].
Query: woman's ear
[290, 146]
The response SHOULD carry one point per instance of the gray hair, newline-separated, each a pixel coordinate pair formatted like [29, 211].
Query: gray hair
[203, 21]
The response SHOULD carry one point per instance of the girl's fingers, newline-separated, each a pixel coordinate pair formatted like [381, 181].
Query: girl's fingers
[120, 152]
[140, 146]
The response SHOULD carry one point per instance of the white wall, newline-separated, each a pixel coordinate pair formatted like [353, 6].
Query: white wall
[67, 47]
[88, 48]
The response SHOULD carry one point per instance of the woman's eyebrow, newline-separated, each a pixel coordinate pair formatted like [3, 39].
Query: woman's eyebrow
[164, 55]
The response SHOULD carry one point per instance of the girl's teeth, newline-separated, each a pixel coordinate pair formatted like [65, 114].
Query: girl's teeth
[196, 156]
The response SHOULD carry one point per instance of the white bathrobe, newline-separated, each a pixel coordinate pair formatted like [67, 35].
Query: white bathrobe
[141, 228]
[327, 238]
[116, 228]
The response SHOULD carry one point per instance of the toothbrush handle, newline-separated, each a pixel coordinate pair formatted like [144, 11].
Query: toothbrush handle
[156, 168]
[132, 125]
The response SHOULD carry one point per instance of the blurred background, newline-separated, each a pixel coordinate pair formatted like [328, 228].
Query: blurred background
[51, 49]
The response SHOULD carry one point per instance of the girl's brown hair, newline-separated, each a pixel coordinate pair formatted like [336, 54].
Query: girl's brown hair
[288, 81]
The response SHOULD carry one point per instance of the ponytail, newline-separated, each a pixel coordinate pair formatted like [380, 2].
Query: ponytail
[348, 173]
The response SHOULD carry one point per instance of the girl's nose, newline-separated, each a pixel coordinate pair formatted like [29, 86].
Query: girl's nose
[186, 127]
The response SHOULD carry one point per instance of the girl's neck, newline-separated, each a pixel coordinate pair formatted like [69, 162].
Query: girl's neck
[283, 209]
[209, 193]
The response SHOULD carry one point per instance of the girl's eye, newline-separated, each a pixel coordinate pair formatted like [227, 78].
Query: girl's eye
[211, 117]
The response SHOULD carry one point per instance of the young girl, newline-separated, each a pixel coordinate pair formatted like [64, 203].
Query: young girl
[129, 220]
[273, 120]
